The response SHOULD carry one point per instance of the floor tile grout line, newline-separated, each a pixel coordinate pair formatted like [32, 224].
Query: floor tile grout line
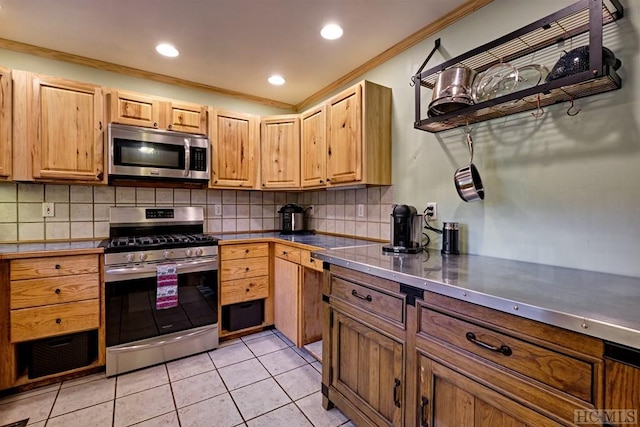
[173, 396]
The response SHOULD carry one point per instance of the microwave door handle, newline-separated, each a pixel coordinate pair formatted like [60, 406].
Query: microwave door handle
[187, 156]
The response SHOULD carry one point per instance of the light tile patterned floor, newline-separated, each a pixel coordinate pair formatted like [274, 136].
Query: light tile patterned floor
[258, 380]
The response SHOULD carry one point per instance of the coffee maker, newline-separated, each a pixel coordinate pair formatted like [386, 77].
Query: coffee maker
[406, 231]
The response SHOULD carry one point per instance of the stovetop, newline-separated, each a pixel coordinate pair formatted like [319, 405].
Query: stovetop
[158, 241]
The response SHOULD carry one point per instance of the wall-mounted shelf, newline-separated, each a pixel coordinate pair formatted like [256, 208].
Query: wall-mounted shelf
[585, 16]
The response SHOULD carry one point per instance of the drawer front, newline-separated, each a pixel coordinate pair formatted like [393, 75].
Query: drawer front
[54, 290]
[32, 268]
[287, 252]
[308, 261]
[241, 290]
[244, 268]
[389, 306]
[555, 369]
[50, 320]
[249, 250]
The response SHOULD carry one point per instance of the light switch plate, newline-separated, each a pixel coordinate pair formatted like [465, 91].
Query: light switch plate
[47, 210]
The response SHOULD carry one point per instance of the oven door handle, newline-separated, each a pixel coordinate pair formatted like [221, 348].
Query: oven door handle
[182, 338]
[184, 267]
[187, 156]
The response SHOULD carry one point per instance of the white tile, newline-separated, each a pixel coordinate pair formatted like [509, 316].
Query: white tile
[81, 212]
[228, 225]
[229, 197]
[361, 229]
[100, 415]
[315, 349]
[31, 231]
[8, 192]
[339, 226]
[300, 382]
[100, 229]
[317, 366]
[308, 357]
[340, 197]
[283, 338]
[256, 335]
[166, 420]
[56, 193]
[350, 228]
[269, 224]
[339, 211]
[288, 415]
[104, 194]
[144, 379]
[242, 211]
[312, 408]
[385, 231]
[164, 196]
[181, 196]
[8, 212]
[281, 361]
[330, 226]
[243, 197]
[314, 197]
[350, 212]
[219, 411]
[125, 195]
[189, 366]
[292, 197]
[8, 232]
[36, 408]
[373, 230]
[350, 197]
[30, 193]
[373, 195]
[255, 198]
[243, 224]
[101, 211]
[280, 198]
[83, 380]
[331, 211]
[266, 344]
[373, 213]
[227, 343]
[259, 398]
[30, 393]
[256, 224]
[60, 211]
[81, 194]
[229, 211]
[142, 406]
[57, 230]
[361, 195]
[268, 198]
[331, 197]
[243, 373]
[199, 197]
[321, 211]
[145, 195]
[197, 388]
[84, 395]
[81, 230]
[30, 212]
[386, 195]
[214, 225]
[214, 197]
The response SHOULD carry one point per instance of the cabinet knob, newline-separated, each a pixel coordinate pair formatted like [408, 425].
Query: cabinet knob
[58, 320]
[312, 260]
[246, 269]
[328, 179]
[57, 291]
[170, 127]
[155, 125]
[100, 124]
[321, 182]
[246, 251]
[247, 290]
[284, 252]
[57, 267]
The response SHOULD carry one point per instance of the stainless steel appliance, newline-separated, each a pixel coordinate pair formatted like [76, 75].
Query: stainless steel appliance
[142, 242]
[152, 154]
[406, 230]
[450, 243]
[292, 219]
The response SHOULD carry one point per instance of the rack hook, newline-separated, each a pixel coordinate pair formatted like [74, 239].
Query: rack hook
[539, 110]
[574, 112]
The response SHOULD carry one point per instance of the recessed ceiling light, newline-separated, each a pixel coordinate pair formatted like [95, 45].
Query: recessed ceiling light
[167, 50]
[276, 80]
[331, 31]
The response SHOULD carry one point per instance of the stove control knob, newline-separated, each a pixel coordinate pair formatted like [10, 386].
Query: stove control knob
[143, 257]
[130, 257]
[199, 252]
[188, 253]
[167, 254]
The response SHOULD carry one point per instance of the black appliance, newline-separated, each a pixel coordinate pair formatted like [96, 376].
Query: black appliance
[450, 239]
[292, 218]
[406, 233]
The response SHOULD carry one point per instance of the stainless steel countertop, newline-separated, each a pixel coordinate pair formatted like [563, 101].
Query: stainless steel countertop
[605, 306]
[51, 246]
[318, 240]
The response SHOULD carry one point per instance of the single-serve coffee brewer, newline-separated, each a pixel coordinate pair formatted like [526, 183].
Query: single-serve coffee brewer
[406, 230]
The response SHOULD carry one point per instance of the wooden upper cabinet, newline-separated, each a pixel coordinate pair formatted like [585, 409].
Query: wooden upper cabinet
[59, 129]
[313, 160]
[280, 152]
[234, 149]
[5, 123]
[359, 136]
[136, 109]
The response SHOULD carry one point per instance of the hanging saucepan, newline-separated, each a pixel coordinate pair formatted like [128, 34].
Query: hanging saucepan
[467, 178]
[452, 91]
[577, 60]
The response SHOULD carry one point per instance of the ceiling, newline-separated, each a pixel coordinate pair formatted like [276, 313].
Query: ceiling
[229, 44]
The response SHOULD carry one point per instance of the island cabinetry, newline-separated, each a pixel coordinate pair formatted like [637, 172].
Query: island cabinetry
[502, 366]
[136, 109]
[235, 145]
[364, 347]
[244, 278]
[280, 152]
[622, 385]
[5, 123]
[58, 129]
[298, 295]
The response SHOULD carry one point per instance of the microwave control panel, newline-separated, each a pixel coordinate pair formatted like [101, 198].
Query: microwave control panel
[198, 159]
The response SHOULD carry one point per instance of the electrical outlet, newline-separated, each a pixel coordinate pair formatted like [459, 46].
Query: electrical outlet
[310, 210]
[432, 210]
[47, 210]
[217, 210]
[360, 211]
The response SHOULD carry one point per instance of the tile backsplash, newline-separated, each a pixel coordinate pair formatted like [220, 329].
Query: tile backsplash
[82, 212]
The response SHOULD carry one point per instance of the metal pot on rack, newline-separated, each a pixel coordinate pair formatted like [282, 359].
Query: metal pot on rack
[452, 90]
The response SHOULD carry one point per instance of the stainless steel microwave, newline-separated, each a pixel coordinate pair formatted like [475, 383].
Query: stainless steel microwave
[152, 154]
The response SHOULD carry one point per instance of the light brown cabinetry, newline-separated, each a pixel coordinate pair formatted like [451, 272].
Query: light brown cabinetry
[235, 145]
[313, 142]
[622, 386]
[280, 152]
[58, 129]
[131, 108]
[5, 123]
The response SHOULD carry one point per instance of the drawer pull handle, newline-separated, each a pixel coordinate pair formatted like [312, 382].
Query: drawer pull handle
[246, 269]
[312, 260]
[423, 412]
[284, 252]
[247, 290]
[58, 320]
[357, 295]
[57, 267]
[396, 393]
[504, 349]
[57, 291]
[246, 251]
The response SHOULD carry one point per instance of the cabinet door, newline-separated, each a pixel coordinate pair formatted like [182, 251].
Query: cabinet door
[130, 108]
[280, 152]
[448, 398]
[234, 142]
[186, 117]
[286, 283]
[344, 137]
[367, 368]
[65, 122]
[313, 160]
[5, 123]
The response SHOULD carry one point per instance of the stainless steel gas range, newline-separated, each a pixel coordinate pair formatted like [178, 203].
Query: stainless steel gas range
[161, 299]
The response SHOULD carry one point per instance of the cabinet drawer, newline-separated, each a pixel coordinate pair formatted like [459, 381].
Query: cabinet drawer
[244, 268]
[49, 320]
[250, 250]
[308, 261]
[54, 290]
[241, 290]
[287, 252]
[32, 268]
[560, 371]
[389, 306]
